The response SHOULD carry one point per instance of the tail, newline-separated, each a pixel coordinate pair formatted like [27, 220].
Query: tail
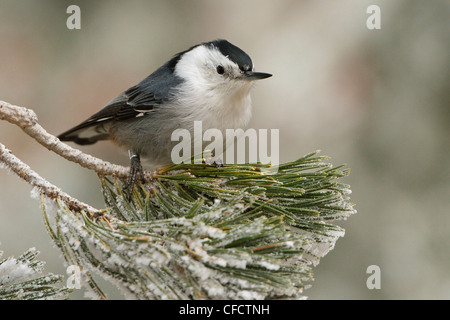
[95, 128]
[84, 134]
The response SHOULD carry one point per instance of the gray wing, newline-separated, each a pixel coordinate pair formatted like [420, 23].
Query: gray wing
[139, 100]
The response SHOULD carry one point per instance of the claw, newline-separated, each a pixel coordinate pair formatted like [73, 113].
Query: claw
[135, 171]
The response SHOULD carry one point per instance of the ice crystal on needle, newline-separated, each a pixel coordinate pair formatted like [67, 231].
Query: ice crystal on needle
[20, 278]
[206, 232]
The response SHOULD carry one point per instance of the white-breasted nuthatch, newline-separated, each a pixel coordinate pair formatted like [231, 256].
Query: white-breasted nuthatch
[209, 82]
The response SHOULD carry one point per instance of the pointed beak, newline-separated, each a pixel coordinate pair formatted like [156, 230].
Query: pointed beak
[251, 76]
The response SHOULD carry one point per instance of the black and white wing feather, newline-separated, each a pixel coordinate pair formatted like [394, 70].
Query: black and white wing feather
[137, 101]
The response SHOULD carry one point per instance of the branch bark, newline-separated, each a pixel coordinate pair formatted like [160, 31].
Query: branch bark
[27, 120]
[23, 171]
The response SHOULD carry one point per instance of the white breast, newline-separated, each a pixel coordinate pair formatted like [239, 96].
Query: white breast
[214, 109]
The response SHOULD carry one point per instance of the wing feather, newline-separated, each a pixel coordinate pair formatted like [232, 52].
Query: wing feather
[136, 101]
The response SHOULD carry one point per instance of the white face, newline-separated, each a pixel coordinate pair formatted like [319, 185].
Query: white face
[207, 69]
[219, 99]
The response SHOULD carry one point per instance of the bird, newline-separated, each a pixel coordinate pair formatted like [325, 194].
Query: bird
[209, 82]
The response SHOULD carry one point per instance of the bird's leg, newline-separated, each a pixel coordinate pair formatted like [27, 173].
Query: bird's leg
[135, 170]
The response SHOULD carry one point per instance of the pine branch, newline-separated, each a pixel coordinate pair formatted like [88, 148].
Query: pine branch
[19, 279]
[204, 232]
[193, 231]
[27, 120]
[41, 185]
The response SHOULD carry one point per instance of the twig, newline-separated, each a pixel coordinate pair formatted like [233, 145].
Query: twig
[23, 171]
[27, 120]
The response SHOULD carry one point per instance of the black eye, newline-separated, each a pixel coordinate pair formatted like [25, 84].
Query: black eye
[220, 69]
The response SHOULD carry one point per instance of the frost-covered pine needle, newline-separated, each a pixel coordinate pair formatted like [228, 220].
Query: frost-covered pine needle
[199, 231]
[21, 279]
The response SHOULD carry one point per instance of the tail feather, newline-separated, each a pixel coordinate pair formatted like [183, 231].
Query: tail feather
[84, 141]
[91, 134]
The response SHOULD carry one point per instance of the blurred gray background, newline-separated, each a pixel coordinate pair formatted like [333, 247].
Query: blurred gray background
[376, 100]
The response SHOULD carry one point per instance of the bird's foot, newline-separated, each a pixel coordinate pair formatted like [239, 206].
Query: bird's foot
[136, 175]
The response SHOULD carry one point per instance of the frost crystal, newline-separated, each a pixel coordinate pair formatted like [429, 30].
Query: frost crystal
[20, 279]
[207, 232]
